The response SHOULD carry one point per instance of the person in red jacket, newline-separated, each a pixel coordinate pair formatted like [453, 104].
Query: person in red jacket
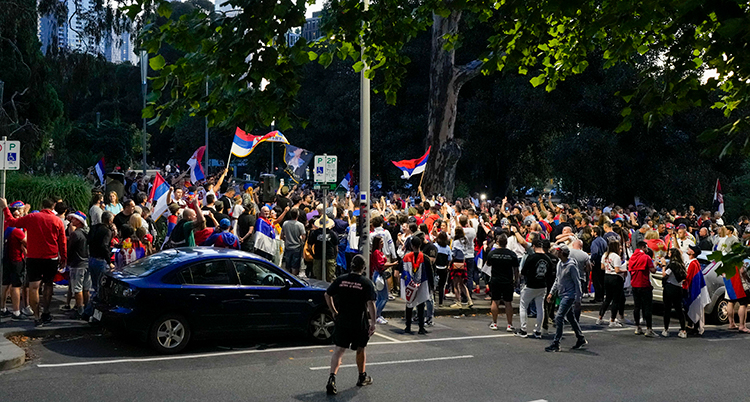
[641, 266]
[693, 267]
[47, 251]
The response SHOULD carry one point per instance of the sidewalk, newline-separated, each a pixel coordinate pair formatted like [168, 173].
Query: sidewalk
[12, 356]
[396, 308]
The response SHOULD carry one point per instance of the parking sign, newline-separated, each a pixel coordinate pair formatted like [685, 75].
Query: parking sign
[10, 155]
[325, 168]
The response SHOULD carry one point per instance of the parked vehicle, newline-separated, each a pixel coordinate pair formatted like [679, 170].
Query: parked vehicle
[178, 295]
[716, 310]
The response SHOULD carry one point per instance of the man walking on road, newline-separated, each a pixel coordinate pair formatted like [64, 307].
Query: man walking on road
[504, 278]
[568, 288]
[536, 268]
[351, 297]
[47, 250]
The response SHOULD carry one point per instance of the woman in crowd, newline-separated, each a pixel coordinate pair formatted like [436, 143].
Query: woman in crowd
[614, 279]
[378, 266]
[673, 275]
[442, 262]
[113, 205]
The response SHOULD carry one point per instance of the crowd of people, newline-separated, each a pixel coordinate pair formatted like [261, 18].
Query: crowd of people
[425, 250]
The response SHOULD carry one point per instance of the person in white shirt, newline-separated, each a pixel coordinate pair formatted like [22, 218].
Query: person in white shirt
[614, 279]
[471, 268]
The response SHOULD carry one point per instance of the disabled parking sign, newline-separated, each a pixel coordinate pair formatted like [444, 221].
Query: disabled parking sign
[10, 158]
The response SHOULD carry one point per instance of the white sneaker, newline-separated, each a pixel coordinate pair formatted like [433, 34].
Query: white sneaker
[493, 326]
[391, 297]
[382, 321]
[615, 324]
[510, 329]
[665, 333]
[599, 321]
[451, 295]
[27, 311]
[682, 334]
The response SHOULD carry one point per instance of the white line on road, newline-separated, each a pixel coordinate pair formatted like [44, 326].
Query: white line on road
[431, 359]
[287, 349]
[387, 337]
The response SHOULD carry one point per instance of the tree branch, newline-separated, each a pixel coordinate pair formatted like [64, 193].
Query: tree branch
[467, 72]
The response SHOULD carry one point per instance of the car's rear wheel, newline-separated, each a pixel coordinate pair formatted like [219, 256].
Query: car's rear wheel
[320, 326]
[720, 315]
[169, 334]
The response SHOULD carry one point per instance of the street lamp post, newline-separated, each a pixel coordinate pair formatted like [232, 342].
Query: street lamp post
[144, 76]
[364, 163]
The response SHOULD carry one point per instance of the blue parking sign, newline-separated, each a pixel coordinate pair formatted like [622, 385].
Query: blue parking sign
[11, 156]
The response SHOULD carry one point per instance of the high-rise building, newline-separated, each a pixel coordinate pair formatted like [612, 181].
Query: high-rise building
[311, 29]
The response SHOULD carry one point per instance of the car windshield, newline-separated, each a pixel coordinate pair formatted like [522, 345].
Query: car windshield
[148, 265]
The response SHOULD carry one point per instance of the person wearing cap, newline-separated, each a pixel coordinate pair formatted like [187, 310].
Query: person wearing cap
[46, 253]
[14, 264]
[567, 286]
[78, 260]
[222, 237]
[694, 269]
[640, 267]
[331, 243]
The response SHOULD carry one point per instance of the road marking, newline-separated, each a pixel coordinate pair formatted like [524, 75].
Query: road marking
[287, 349]
[386, 337]
[431, 359]
[539, 400]
[742, 338]
[588, 316]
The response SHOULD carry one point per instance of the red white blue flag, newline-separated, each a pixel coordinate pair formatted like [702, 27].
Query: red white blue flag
[347, 181]
[410, 167]
[99, 168]
[718, 199]
[158, 194]
[196, 165]
[244, 144]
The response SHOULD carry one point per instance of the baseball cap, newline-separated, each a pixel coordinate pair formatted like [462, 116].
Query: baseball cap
[225, 223]
[17, 204]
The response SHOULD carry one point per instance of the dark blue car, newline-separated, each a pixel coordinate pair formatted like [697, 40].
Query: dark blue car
[181, 294]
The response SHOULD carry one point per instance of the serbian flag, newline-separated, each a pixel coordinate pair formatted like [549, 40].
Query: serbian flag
[244, 144]
[414, 287]
[697, 292]
[99, 168]
[734, 287]
[411, 167]
[718, 199]
[347, 181]
[196, 165]
[264, 236]
[158, 194]
[479, 262]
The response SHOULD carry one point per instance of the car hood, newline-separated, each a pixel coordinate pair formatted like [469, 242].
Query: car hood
[317, 283]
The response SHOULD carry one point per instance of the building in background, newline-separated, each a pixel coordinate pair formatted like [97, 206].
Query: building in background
[311, 29]
[69, 35]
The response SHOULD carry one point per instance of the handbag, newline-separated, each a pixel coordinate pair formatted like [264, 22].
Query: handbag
[307, 253]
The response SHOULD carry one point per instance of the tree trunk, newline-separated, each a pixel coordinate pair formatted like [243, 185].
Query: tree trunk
[446, 81]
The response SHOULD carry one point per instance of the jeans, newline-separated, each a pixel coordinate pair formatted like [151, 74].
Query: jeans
[529, 295]
[97, 267]
[381, 300]
[613, 288]
[420, 316]
[566, 311]
[442, 279]
[430, 308]
[673, 299]
[643, 299]
[473, 274]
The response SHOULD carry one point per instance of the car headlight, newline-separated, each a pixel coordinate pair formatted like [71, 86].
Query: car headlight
[128, 292]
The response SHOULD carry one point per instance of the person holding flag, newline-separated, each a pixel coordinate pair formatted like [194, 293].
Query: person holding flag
[222, 237]
[414, 287]
[735, 292]
[697, 296]
[265, 235]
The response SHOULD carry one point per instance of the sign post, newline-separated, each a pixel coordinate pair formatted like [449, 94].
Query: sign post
[325, 172]
[10, 159]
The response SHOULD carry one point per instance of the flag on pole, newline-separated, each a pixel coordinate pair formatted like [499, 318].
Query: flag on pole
[159, 193]
[244, 144]
[196, 165]
[296, 160]
[347, 181]
[411, 167]
[99, 168]
[718, 199]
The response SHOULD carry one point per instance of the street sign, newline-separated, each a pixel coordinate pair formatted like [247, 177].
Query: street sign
[325, 168]
[10, 155]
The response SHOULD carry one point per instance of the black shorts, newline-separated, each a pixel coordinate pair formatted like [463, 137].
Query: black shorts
[501, 291]
[352, 335]
[742, 301]
[40, 269]
[14, 273]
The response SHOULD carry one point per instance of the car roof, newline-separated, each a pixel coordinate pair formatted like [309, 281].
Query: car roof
[187, 254]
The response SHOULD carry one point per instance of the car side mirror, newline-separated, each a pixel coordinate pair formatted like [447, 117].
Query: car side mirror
[287, 284]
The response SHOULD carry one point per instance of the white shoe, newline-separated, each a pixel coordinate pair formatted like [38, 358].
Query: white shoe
[493, 326]
[682, 334]
[382, 321]
[510, 329]
[27, 311]
[599, 321]
[665, 333]
[615, 324]
[451, 295]
[391, 297]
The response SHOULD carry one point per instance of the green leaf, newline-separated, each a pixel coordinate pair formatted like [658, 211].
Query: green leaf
[148, 112]
[164, 9]
[522, 70]
[624, 126]
[157, 63]
[580, 67]
[538, 80]
[325, 59]
[627, 98]
[642, 49]
[312, 55]
[358, 66]
[626, 112]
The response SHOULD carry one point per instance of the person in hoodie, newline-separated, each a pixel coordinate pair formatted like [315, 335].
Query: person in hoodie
[222, 237]
[640, 267]
[568, 287]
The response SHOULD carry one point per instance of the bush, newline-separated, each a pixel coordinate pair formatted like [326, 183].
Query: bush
[32, 190]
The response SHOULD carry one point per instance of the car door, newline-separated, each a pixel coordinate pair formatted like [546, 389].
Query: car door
[270, 302]
[210, 288]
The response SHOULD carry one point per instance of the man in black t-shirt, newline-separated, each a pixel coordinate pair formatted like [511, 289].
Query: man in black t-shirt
[536, 269]
[351, 297]
[549, 307]
[504, 265]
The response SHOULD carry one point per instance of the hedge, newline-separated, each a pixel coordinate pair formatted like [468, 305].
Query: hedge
[74, 190]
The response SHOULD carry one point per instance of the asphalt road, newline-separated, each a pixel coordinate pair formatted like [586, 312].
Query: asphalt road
[460, 360]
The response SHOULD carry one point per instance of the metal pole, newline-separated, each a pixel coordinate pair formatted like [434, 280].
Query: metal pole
[324, 262]
[2, 214]
[364, 163]
[98, 118]
[273, 127]
[205, 153]
[144, 74]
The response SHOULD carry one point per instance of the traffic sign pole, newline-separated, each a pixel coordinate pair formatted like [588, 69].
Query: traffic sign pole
[2, 213]
[325, 240]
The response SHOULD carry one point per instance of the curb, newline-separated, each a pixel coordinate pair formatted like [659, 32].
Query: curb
[442, 312]
[12, 356]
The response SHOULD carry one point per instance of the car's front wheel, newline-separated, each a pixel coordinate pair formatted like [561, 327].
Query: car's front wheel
[720, 315]
[169, 334]
[321, 326]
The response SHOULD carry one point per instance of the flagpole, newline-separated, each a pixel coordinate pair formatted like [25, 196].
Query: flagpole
[421, 177]
[228, 159]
